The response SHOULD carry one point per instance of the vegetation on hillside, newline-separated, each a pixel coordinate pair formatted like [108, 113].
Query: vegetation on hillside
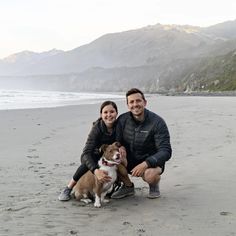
[213, 74]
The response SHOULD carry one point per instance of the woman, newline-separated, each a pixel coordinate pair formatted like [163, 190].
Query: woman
[102, 132]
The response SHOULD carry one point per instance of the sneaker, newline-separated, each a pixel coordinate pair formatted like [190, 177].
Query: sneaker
[123, 191]
[154, 191]
[65, 194]
[115, 188]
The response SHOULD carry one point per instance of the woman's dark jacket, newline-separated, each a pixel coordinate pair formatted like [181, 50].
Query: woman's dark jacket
[96, 138]
[148, 140]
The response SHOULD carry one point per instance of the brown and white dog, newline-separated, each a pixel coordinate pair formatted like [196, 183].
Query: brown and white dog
[89, 185]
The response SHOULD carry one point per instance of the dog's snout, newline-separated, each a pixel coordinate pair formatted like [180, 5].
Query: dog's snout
[117, 156]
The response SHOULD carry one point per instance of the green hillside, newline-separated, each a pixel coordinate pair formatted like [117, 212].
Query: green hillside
[213, 74]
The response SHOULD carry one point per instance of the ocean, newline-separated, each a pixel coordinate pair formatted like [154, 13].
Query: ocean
[28, 99]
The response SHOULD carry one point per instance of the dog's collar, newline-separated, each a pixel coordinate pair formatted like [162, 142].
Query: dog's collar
[108, 163]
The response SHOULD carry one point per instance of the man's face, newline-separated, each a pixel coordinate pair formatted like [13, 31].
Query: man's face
[136, 104]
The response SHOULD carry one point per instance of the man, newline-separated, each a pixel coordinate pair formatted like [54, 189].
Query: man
[146, 138]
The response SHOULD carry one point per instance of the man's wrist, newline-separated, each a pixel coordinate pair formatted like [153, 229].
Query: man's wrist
[146, 164]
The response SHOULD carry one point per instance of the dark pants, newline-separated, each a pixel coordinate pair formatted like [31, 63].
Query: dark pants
[82, 169]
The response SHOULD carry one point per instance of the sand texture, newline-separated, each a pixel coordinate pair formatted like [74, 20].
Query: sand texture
[40, 151]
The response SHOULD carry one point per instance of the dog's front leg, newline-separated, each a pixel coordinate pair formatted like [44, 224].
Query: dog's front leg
[103, 199]
[97, 202]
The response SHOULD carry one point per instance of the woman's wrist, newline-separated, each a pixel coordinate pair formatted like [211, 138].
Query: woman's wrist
[95, 170]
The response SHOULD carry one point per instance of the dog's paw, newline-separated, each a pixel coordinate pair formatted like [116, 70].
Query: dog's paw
[106, 200]
[86, 200]
[97, 204]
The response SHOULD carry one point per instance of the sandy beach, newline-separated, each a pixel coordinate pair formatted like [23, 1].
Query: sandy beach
[40, 151]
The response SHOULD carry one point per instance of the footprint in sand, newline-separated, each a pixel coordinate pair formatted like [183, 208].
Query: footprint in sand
[34, 156]
[141, 230]
[72, 232]
[46, 138]
[42, 167]
[32, 150]
[225, 213]
[126, 223]
[35, 163]
[35, 144]
[178, 185]
[72, 164]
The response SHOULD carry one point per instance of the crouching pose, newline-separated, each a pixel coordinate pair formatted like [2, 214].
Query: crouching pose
[146, 138]
[102, 132]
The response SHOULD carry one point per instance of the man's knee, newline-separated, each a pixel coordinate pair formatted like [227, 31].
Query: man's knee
[152, 175]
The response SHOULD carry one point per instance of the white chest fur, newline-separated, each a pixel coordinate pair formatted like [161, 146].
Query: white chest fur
[112, 173]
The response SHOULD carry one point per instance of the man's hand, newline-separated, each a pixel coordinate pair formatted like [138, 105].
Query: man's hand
[122, 151]
[123, 155]
[139, 170]
[102, 176]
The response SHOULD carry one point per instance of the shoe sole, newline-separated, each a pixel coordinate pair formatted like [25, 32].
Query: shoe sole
[122, 196]
[153, 197]
[63, 199]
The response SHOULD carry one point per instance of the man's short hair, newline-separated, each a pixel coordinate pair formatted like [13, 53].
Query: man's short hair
[133, 91]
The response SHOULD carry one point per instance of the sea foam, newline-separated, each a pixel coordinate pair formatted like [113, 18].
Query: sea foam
[23, 99]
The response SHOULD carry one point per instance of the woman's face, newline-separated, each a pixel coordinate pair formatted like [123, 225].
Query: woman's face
[109, 115]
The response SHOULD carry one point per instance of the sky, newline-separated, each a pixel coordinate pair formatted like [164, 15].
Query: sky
[41, 25]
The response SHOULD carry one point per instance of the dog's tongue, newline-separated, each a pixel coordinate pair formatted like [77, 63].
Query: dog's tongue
[118, 161]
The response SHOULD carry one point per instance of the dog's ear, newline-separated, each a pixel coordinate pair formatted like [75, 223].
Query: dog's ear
[103, 148]
[117, 144]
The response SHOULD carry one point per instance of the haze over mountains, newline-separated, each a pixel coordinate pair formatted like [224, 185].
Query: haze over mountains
[155, 58]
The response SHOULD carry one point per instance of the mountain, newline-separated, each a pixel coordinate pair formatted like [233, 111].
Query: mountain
[225, 30]
[12, 64]
[28, 56]
[155, 58]
[156, 44]
[212, 74]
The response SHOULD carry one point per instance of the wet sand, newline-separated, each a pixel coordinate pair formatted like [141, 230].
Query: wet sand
[40, 151]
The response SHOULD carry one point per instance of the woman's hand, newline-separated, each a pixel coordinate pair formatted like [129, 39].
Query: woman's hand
[102, 176]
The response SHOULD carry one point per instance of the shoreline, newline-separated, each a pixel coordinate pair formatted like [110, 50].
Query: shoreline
[40, 151]
[17, 99]
[25, 99]
[203, 93]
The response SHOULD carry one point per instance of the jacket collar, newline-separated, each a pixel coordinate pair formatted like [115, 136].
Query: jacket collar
[104, 127]
[137, 121]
